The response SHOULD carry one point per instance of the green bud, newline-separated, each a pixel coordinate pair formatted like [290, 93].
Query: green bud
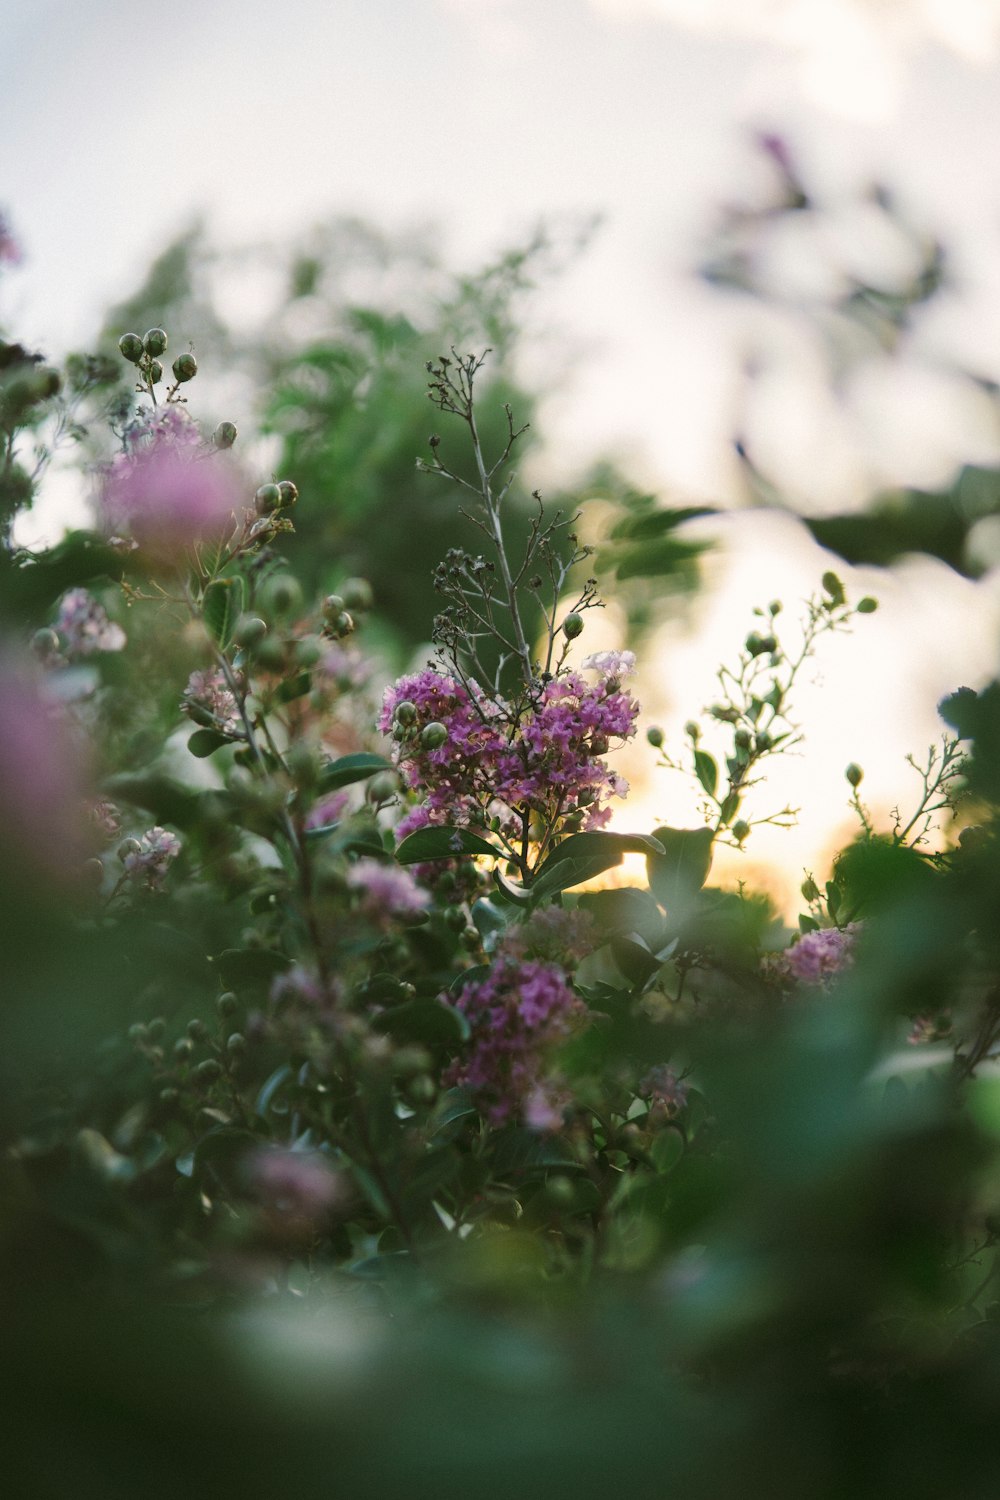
[342, 625]
[455, 918]
[208, 1070]
[741, 739]
[155, 342]
[307, 651]
[130, 347]
[267, 499]
[867, 605]
[156, 1027]
[185, 368]
[287, 493]
[127, 847]
[333, 605]
[405, 713]
[774, 608]
[834, 588]
[183, 1048]
[137, 1032]
[763, 741]
[224, 435]
[227, 1004]
[756, 643]
[250, 631]
[270, 655]
[654, 736]
[470, 939]
[572, 626]
[155, 371]
[45, 641]
[281, 594]
[741, 831]
[358, 595]
[382, 786]
[692, 731]
[236, 1045]
[433, 736]
[169, 1097]
[854, 773]
[197, 1030]
[810, 890]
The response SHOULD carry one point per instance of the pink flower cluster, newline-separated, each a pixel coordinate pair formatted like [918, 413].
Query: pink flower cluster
[166, 491]
[146, 864]
[664, 1089]
[84, 626]
[546, 760]
[516, 1015]
[209, 693]
[386, 891]
[818, 956]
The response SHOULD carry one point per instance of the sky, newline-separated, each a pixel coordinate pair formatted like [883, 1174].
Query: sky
[118, 123]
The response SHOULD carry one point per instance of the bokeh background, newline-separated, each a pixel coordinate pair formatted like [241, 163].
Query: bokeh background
[683, 325]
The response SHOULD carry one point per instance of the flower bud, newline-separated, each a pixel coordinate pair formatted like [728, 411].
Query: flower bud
[854, 773]
[382, 786]
[810, 890]
[208, 1071]
[333, 605]
[834, 588]
[741, 831]
[692, 731]
[128, 847]
[433, 736]
[654, 736]
[281, 594]
[236, 1044]
[224, 435]
[342, 625]
[572, 626]
[155, 342]
[287, 493]
[599, 744]
[130, 347]
[227, 1004]
[169, 1097]
[45, 642]
[307, 651]
[250, 630]
[405, 713]
[358, 595]
[197, 1030]
[267, 499]
[741, 739]
[155, 372]
[185, 368]
[763, 741]
[867, 605]
[183, 1048]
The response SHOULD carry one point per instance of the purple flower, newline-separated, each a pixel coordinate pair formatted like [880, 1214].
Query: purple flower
[299, 1183]
[517, 1016]
[84, 625]
[43, 824]
[209, 693]
[663, 1087]
[166, 492]
[146, 864]
[386, 890]
[328, 809]
[542, 759]
[818, 956]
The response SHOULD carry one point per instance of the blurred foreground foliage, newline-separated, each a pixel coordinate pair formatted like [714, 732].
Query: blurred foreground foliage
[776, 1280]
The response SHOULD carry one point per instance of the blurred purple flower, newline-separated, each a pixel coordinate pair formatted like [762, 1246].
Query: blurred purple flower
[85, 627]
[146, 864]
[166, 492]
[386, 890]
[295, 1182]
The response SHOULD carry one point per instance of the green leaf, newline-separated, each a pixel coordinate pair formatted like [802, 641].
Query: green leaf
[730, 807]
[518, 1149]
[270, 1088]
[517, 895]
[706, 771]
[678, 874]
[222, 606]
[205, 742]
[585, 855]
[350, 768]
[623, 911]
[240, 967]
[441, 843]
[431, 1023]
[294, 687]
[667, 1149]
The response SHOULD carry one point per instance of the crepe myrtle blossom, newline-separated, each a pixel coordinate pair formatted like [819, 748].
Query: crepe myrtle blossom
[148, 858]
[386, 891]
[165, 491]
[819, 956]
[45, 833]
[207, 696]
[294, 1182]
[475, 757]
[84, 626]
[666, 1091]
[517, 1016]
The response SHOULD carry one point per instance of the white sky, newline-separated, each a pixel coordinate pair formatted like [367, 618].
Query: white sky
[118, 121]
